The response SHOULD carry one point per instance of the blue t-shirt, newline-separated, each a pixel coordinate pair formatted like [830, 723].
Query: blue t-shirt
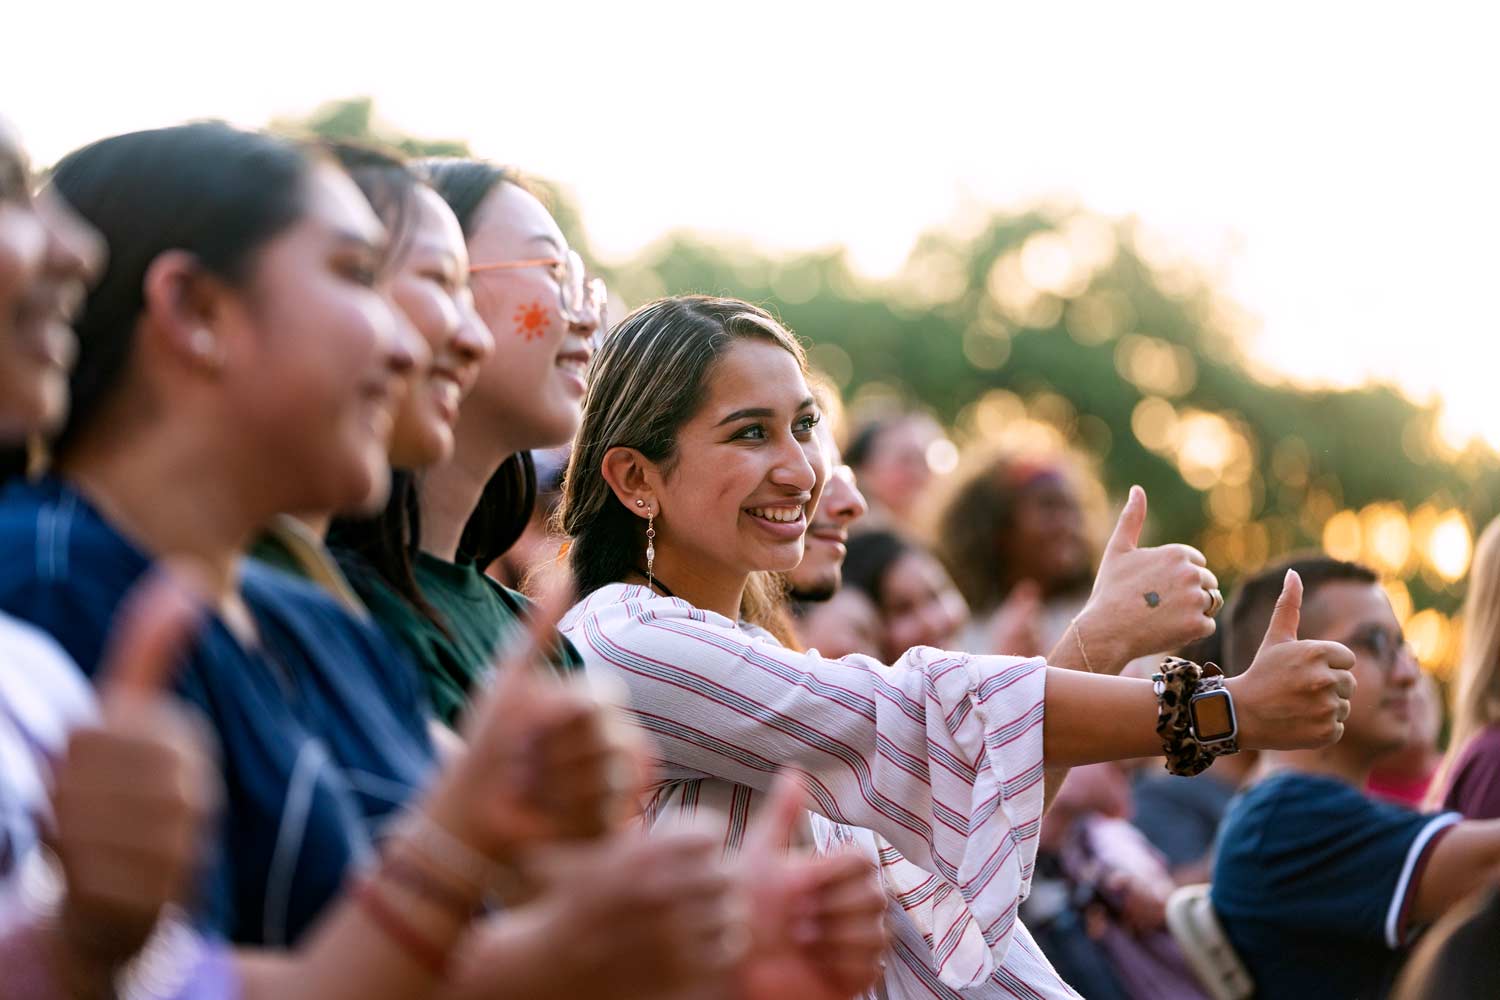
[322, 729]
[1313, 883]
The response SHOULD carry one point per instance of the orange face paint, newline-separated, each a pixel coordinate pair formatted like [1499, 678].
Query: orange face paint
[531, 321]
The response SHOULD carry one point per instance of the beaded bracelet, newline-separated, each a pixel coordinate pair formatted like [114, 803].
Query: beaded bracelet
[431, 957]
[448, 852]
[412, 878]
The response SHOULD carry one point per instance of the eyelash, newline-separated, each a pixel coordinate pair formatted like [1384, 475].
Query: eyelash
[804, 425]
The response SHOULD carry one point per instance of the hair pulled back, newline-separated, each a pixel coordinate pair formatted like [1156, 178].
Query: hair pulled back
[217, 192]
[648, 379]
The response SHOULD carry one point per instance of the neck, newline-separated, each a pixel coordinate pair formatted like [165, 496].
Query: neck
[450, 491]
[138, 489]
[685, 578]
[1339, 761]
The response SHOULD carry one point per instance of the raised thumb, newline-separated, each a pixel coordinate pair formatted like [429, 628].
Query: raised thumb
[1127, 533]
[1288, 612]
[773, 829]
[151, 632]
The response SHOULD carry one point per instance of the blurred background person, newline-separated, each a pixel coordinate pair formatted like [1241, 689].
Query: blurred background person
[1014, 531]
[827, 616]
[1405, 775]
[915, 598]
[890, 456]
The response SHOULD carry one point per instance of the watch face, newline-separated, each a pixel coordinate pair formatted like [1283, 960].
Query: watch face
[1212, 718]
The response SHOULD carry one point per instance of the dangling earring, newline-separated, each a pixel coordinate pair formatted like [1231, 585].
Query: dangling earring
[650, 549]
[650, 545]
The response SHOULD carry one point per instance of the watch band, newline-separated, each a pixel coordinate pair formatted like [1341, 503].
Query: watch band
[1175, 684]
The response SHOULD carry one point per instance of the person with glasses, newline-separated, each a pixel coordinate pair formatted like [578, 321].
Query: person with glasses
[1320, 887]
[544, 314]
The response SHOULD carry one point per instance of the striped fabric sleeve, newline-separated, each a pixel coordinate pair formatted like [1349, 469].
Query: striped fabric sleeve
[940, 754]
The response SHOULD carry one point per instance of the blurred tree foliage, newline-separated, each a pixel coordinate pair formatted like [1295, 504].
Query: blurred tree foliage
[1051, 328]
[1059, 322]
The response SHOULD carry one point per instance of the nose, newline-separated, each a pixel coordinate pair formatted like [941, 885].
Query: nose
[842, 499]
[796, 469]
[1406, 669]
[471, 340]
[74, 248]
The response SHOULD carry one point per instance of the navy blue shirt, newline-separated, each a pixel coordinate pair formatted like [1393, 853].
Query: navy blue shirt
[322, 727]
[1313, 883]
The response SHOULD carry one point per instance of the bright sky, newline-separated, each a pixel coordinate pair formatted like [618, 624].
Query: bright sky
[1336, 164]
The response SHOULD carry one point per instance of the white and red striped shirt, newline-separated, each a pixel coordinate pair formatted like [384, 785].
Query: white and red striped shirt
[933, 765]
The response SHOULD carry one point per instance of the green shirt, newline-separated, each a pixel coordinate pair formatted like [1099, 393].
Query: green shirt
[481, 616]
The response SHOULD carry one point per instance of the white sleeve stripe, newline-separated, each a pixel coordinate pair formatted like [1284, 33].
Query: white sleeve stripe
[1403, 884]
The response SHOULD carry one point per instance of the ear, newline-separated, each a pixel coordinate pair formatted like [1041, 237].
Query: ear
[633, 477]
[182, 302]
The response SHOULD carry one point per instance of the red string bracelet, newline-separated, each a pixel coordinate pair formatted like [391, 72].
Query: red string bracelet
[420, 950]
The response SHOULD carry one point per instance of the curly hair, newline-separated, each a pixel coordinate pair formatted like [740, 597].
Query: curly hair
[978, 512]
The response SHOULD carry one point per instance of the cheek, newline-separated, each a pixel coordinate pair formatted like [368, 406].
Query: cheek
[532, 320]
[21, 247]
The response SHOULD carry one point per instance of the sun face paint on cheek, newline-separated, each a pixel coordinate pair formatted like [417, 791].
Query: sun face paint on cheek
[531, 321]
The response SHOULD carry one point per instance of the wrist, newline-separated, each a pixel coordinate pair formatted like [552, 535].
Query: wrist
[1106, 654]
[1244, 710]
[451, 811]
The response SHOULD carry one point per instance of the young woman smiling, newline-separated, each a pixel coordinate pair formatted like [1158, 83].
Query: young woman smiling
[697, 466]
[530, 291]
[235, 361]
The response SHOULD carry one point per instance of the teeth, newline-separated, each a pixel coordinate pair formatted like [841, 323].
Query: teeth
[781, 515]
[573, 365]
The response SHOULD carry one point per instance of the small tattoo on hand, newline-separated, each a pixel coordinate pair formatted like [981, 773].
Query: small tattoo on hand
[1152, 598]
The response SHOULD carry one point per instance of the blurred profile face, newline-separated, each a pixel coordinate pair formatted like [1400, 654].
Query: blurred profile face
[318, 364]
[430, 288]
[821, 571]
[896, 471]
[1047, 541]
[532, 386]
[919, 604]
[1383, 711]
[847, 622]
[747, 468]
[48, 256]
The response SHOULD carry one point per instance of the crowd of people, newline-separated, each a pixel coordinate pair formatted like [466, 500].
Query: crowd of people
[380, 619]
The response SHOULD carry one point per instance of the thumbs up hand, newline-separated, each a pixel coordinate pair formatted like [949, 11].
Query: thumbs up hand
[134, 791]
[1295, 695]
[1145, 600]
[818, 926]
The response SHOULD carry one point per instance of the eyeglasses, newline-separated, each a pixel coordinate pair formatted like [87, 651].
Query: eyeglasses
[1384, 646]
[582, 298]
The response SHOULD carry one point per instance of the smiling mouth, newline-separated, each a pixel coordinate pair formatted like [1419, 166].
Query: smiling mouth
[778, 515]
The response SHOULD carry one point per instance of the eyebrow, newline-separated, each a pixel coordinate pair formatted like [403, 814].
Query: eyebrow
[360, 241]
[761, 412]
[548, 239]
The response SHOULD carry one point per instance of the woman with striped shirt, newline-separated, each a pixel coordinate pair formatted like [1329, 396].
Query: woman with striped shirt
[693, 477]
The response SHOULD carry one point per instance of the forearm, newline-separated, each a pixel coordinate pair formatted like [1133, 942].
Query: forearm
[1092, 718]
[1073, 652]
[358, 953]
